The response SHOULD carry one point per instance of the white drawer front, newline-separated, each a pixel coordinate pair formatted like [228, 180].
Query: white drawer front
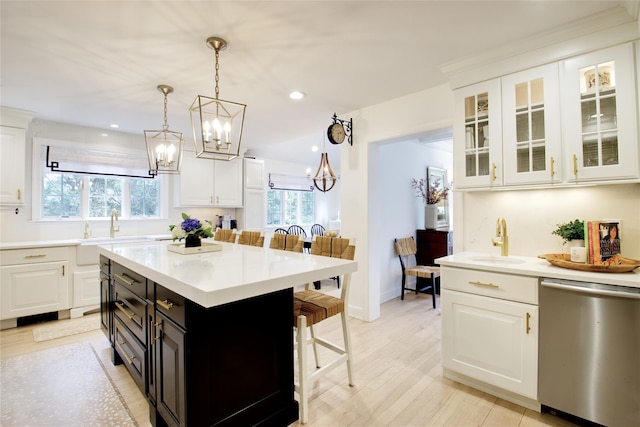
[33, 255]
[496, 285]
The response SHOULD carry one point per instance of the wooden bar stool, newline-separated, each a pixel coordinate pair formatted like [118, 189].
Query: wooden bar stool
[312, 307]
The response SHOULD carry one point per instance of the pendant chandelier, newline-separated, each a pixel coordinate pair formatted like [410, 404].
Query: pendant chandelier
[325, 179]
[217, 124]
[164, 147]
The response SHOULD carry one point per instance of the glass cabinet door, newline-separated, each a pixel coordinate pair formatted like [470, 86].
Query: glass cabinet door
[531, 126]
[477, 135]
[601, 115]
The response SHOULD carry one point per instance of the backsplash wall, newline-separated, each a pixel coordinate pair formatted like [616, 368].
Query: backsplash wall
[532, 215]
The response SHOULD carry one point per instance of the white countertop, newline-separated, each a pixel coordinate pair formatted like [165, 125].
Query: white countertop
[533, 266]
[236, 272]
[28, 244]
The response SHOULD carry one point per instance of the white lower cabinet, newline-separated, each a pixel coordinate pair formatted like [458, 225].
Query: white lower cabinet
[33, 281]
[487, 336]
[86, 288]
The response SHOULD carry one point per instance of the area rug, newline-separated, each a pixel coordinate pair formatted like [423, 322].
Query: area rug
[63, 328]
[62, 386]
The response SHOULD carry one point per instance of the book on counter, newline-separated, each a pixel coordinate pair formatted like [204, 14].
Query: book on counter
[603, 242]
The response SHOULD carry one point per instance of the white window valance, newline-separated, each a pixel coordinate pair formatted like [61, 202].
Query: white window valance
[290, 182]
[74, 159]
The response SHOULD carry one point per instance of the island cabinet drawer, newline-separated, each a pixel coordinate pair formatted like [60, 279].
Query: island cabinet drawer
[132, 311]
[133, 354]
[496, 285]
[33, 255]
[171, 305]
[129, 279]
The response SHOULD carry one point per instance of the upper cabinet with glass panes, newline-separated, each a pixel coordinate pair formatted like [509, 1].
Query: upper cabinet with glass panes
[600, 115]
[561, 123]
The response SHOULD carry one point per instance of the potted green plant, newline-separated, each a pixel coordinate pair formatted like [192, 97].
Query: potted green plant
[572, 232]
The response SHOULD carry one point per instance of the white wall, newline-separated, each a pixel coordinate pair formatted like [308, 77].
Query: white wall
[401, 211]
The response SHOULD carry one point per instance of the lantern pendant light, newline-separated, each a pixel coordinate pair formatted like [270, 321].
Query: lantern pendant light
[164, 147]
[217, 124]
[325, 179]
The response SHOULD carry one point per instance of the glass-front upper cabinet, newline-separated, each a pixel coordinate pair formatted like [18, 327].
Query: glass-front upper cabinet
[477, 135]
[531, 146]
[600, 130]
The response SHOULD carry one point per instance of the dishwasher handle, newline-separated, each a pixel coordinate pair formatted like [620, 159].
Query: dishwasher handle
[593, 291]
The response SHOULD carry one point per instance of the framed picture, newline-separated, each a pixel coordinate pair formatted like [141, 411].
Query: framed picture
[437, 177]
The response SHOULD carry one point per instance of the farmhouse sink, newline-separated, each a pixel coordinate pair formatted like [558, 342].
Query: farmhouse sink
[87, 250]
[496, 259]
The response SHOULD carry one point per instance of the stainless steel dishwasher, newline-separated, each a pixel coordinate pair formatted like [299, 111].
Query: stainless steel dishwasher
[589, 351]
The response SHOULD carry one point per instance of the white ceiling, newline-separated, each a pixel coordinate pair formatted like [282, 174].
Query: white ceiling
[94, 63]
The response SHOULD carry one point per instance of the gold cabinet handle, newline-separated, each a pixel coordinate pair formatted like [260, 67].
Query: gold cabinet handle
[63, 271]
[157, 337]
[575, 165]
[553, 167]
[217, 200]
[493, 172]
[103, 264]
[126, 356]
[489, 285]
[528, 325]
[166, 304]
[19, 194]
[211, 199]
[126, 279]
[36, 256]
[129, 314]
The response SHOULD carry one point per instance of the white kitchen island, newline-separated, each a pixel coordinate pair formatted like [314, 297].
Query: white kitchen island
[208, 337]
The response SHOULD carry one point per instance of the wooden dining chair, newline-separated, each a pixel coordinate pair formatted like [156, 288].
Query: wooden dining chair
[281, 231]
[406, 251]
[225, 235]
[251, 238]
[311, 307]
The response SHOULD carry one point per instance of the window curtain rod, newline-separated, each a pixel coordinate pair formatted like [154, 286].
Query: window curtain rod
[55, 167]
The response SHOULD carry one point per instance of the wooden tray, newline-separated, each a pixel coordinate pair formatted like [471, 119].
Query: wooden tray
[564, 261]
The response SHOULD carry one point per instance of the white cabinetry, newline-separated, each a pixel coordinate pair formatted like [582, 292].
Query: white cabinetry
[477, 148]
[33, 281]
[490, 330]
[206, 182]
[600, 115]
[254, 212]
[12, 165]
[531, 149]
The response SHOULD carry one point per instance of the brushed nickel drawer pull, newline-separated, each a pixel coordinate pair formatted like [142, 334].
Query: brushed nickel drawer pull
[129, 314]
[166, 304]
[528, 325]
[126, 279]
[126, 356]
[489, 285]
[36, 256]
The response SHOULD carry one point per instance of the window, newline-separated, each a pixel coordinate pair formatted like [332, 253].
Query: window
[289, 207]
[66, 195]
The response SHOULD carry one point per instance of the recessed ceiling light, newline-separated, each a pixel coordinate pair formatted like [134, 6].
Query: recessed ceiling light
[314, 148]
[297, 95]
[114, 126]
[104, 134]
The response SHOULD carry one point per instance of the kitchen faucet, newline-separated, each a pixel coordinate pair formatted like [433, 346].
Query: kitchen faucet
[112, 230]
[501, 232]
[87, 232]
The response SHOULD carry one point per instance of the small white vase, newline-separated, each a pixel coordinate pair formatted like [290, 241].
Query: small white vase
[573, 244]
[431, 216]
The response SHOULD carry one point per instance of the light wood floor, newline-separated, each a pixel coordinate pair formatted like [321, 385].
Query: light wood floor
[398, 375]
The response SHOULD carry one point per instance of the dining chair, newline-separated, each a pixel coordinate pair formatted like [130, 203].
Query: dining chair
[251, 238]
[406, 250]
[317, 230]
[225, 235]
[297, 230]
[281, 231]
[311, 307]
